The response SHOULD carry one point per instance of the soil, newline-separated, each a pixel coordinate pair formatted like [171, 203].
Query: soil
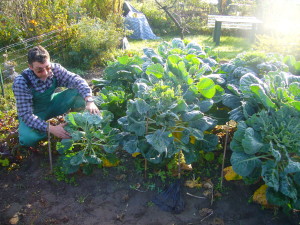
[119, 195]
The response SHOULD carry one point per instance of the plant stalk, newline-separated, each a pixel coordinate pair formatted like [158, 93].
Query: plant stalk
[224, 154]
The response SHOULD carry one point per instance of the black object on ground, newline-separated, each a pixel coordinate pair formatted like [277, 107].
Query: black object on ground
[171, 199]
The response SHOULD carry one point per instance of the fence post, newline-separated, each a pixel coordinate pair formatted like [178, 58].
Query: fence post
[1, 83]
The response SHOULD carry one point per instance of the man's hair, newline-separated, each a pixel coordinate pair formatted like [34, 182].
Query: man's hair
[38, 54]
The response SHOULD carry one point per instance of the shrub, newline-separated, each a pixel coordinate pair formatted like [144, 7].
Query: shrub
[283, 44]
[93, 42]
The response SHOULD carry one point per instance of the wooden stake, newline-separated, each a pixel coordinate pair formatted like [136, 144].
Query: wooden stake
[179, 166]
[224, 153]
[145, 168]
[49, 149]
[145, 160]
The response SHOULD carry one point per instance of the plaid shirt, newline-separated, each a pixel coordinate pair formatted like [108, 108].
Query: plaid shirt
[24, 97]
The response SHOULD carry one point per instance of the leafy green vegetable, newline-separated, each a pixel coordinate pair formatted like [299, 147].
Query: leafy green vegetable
[92, 137]
[269, 141]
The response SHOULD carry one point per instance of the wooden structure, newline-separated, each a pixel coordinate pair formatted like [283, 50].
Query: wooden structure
[232, 22]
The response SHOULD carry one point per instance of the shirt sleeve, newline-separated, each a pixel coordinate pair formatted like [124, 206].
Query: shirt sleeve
[24, 97]
[71, 80]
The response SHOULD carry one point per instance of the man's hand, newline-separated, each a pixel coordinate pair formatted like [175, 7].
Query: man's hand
[92, 108]
[59, 131]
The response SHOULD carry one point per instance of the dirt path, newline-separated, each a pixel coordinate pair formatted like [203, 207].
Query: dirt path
[30, 195]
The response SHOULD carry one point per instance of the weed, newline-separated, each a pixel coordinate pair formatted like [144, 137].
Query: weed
[150, 204]
[150, 186]
[61, 176]
[81, 199]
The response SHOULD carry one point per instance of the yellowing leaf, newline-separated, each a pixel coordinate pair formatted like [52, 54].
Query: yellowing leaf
[177, 134]
[135, 154]
[192, 184]
[229, 174]
[260, 196]
[107, 163]
[192, 139]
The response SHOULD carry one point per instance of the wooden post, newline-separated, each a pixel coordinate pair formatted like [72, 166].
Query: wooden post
[2, 83]
[217, 32]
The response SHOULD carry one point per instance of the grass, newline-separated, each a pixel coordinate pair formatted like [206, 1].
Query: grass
[229, 46]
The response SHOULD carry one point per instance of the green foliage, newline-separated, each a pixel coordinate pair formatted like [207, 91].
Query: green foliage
[170, 95]
[92, 42]
[92, 137]
[10, 31]
[280, 44]
[8, 119]
[267, 145]
[190, 15]
[113, 99]
[102, 9]
[292, 63]
[266, 142]
[22, 19]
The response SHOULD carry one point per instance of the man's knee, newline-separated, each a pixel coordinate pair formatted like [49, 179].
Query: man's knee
[30, 137]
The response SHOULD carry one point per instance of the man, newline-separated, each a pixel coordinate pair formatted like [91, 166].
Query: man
[37, 102]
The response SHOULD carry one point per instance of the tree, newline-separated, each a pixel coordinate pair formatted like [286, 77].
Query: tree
[103, 8]
[178, 22]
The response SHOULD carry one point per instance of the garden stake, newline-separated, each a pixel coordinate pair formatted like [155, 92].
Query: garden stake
[145, 160]
[1, 83]
[224, 153]
[49, 149]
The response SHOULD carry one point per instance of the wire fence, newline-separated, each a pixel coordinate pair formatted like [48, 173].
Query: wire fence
[15, 55]
[13, 58]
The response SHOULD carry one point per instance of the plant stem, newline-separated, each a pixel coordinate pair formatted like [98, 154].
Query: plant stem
[224, 154]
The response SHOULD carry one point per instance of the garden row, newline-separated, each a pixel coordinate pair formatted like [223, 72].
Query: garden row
[168, 101]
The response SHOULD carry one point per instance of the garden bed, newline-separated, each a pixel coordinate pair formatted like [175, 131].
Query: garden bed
[119, 195]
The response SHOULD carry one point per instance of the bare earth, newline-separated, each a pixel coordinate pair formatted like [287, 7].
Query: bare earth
[30, 195]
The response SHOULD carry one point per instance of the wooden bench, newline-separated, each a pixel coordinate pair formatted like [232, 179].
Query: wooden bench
[231, 22]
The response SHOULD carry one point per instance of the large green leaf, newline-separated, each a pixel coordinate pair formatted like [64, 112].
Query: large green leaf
[262, 96]
[155, 69]
[177, 43]
[131, 145]
[64, 146]
[203, 124]
[296, 105]
[276, 198]
[138, 127]
[246, 81]
[244, 164]
[206, 105]
[174, 60]
[236, 146]
[206, 87]
[270, 175]
[189, 156]
[192, 115]
[231, 101]
[294, 89]
[287, 186]
[210, 142]
[93, 159]
[251, 142]
[141, 106]
[78, 159]
[292, 167]
[124, 59]
[159, 140]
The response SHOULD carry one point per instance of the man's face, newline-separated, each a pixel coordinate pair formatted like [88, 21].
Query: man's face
[41, 70]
